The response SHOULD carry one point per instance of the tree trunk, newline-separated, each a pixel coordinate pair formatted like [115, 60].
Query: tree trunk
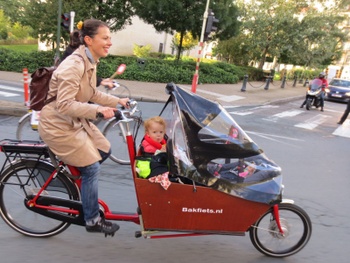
[263, 57]
[180, 46]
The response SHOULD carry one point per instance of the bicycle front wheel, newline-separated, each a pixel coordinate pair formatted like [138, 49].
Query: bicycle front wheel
[296, 226]
[25, 131]
[20, 182]
[115, 132]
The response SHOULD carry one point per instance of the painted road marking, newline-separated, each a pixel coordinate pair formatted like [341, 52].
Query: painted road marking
[313, 122]
[284, 114]
[217, 95]
[8, 94]
[252, 110]
[3, 87]
[230, 98]
[343, 130]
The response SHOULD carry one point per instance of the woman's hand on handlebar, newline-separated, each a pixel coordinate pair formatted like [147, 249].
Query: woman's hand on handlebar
[106, 112]
[124, 102]
[108, 83]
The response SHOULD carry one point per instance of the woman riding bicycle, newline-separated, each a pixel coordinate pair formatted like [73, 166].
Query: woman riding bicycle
[64, 122]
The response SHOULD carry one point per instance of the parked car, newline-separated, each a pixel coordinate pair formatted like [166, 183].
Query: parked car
[338, 90]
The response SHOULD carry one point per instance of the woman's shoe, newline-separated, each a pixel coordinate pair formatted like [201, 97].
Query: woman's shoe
[103, 226]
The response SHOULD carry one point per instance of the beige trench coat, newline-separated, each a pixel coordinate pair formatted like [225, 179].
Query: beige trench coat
[64, 124]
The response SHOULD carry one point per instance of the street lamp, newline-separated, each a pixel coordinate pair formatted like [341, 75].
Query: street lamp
[57, 55]
[196, 75]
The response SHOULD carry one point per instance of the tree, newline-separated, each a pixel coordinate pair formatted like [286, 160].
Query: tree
[188, 41]
[4, 25]
[20, 32]
[186, 16]
[295, 28]
[42, 15]
[235, 51]
[14, 9]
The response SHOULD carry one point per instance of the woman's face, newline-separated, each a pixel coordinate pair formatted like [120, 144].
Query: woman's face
[99, 45]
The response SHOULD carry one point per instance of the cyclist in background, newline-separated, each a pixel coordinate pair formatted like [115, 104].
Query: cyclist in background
[322, 76]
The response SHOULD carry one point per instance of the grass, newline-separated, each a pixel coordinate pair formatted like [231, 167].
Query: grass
[21, 48]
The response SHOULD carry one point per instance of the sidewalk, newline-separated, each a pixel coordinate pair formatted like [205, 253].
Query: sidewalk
[226, 94]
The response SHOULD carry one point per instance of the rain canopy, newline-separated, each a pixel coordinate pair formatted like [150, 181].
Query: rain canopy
[207, 147]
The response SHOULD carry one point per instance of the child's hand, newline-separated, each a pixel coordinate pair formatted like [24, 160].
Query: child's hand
[163, 149]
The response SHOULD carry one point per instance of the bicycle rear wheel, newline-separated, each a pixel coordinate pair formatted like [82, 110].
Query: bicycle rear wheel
[295, 224]
[22, 181]
[25, 131]
[115, 132]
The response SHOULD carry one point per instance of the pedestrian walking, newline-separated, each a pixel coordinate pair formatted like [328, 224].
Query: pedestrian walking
[345, 114]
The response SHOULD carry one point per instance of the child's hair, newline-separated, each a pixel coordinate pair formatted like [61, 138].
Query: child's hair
[156, 119]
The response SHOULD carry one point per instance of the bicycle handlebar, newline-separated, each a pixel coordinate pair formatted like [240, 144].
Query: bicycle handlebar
[124, 114]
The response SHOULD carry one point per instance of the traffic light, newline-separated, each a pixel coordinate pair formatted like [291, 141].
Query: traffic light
[65, 21]
[210, 26]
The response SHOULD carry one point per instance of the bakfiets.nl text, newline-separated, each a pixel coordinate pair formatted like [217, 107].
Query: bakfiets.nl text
[202, 210]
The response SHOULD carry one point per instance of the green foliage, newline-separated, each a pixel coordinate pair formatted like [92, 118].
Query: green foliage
[302, 73]
[185, 40]
[21, 48]
[186, 16]
[154, 69]
[4, 25]
[16, 61]
[142, 51]
[296, 32]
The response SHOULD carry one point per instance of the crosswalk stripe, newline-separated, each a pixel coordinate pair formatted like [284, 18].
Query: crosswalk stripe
[313, 122]
[309, 124]
[8, 94]
[11, 88]
[252, 110]
[284, 114]
[343, 130]
[230, 98]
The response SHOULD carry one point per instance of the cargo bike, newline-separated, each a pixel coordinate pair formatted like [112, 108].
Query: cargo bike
[218, 181]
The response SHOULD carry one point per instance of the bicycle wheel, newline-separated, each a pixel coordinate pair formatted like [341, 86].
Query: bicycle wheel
[22, 181]
[120, 91]
[296, 226]
[308, 105]
[115, 132]
[25, 131]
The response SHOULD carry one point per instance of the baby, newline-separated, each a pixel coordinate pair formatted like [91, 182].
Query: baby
[154, 138]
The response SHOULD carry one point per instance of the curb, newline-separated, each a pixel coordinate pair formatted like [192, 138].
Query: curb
[18, 109]
[13, 109]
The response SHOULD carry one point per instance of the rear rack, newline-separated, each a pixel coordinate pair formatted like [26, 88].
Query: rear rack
[16, 149]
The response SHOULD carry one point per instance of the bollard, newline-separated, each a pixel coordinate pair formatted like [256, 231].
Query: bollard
[283, 82]
[306, 83]
[244, 86]
[268, 80]
[295, 81]
[142, 63]
[26, 87]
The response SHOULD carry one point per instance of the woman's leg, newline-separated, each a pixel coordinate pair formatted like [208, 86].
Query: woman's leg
[89, 196]
[89, 192]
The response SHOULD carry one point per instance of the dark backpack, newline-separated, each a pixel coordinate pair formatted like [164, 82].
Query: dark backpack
[39, 87]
